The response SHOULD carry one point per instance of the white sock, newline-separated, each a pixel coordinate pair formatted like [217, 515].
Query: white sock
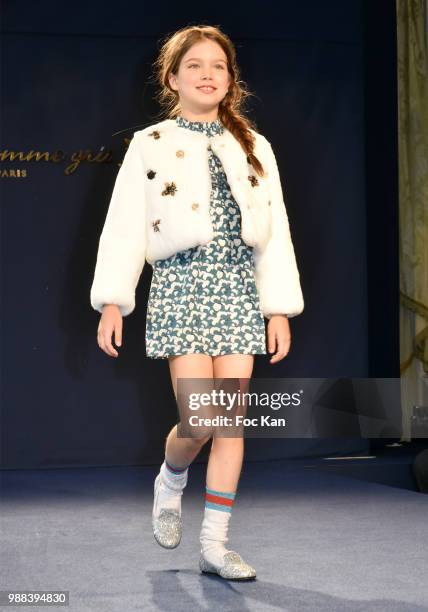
[170, 489]
[215, 525]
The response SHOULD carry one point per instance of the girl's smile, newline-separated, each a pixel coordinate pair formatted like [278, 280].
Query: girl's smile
[207, 88]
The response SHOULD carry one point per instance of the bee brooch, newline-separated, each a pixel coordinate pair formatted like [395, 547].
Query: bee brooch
[155, 134]
[170, 189]
[253, 180]
[155, 225]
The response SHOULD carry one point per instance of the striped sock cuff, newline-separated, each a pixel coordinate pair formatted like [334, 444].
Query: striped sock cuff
[173, 469]
[219, 500]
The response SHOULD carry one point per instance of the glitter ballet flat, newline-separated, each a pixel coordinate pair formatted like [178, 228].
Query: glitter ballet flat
[233, 568]
[167, 526]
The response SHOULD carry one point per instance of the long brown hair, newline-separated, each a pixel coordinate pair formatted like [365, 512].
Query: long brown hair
[230, 111]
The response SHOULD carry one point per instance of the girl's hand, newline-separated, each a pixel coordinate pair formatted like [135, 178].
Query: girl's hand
[279, 337]
[111, 321]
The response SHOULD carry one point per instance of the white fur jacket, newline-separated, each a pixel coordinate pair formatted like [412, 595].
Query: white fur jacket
[160, 205]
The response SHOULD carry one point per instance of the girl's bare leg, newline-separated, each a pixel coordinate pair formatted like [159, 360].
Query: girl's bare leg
[182, 451]
[226, 456]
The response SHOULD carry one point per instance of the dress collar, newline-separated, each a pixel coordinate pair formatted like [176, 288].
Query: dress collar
[209, 128]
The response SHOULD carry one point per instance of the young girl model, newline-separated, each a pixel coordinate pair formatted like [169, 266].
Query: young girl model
[199, 197]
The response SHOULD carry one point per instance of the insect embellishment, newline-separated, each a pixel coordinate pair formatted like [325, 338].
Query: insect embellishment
[170, 189]
[155, 225]
[155, 134]
[253, 180]
[151, 174]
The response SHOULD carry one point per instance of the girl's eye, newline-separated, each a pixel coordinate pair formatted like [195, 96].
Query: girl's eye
[196, 65]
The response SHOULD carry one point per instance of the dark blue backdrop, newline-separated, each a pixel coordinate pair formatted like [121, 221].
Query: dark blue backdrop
[324, 78]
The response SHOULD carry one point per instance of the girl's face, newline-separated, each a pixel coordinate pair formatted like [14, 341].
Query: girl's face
[202, 80]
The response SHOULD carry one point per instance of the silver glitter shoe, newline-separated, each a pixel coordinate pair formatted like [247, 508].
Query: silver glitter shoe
[167, 527]
[233, 568]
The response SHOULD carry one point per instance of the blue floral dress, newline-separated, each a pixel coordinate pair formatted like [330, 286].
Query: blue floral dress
[204, 299]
